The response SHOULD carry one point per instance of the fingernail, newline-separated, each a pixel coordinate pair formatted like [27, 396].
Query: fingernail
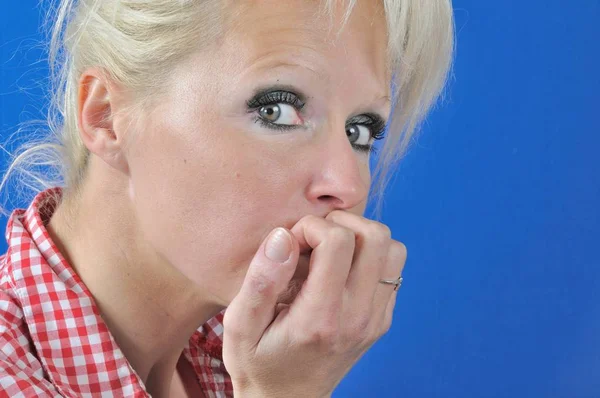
[279, 246]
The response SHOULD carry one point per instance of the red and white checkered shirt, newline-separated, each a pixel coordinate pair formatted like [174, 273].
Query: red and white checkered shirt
[53, 341]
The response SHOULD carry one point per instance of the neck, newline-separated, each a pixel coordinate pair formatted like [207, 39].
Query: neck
[150, 307]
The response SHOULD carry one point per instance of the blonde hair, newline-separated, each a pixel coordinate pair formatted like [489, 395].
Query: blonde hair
[139, 41]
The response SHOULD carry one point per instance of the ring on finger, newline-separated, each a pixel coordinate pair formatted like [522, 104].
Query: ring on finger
[396, 282]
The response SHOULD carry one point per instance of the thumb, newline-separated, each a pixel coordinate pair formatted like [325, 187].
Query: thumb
[269, 274]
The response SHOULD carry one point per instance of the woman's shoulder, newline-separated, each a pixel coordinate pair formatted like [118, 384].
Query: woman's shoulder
[11, 312]
[21, 371]
[21, 276]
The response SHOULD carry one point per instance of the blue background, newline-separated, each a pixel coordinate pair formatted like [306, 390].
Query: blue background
[497, 202]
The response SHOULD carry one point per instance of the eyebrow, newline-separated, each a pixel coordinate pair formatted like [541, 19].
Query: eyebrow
[385, 98]
[270, 61]
[279, 63]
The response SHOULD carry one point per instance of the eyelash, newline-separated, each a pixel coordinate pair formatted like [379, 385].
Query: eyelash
[372, 121]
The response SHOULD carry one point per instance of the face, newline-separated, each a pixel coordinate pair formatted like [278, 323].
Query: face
[271, 124]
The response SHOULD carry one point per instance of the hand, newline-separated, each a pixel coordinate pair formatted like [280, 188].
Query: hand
[304, 349]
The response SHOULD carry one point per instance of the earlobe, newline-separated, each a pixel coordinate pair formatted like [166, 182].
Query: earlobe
[96, 119]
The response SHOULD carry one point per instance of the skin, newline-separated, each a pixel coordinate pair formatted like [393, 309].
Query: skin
[178, 198]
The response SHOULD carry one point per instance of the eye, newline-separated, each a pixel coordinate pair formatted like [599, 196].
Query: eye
[277, 109]
[363, 129]
[280, 113]
[358, 134]
[280, 108]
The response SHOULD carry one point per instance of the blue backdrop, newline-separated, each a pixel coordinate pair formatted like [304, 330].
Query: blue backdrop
[497, 202]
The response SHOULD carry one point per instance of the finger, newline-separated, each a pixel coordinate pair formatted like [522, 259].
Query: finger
[281, 307]
[332, 251]
[269, 273]
[373, 240]
[395, 265]
[388, 314]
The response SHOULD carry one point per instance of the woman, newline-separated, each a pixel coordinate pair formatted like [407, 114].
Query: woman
[209, 238]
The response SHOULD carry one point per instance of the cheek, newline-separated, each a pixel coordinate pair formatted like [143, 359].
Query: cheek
[206, 208]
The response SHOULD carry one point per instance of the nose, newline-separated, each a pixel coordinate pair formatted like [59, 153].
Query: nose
[342, 178]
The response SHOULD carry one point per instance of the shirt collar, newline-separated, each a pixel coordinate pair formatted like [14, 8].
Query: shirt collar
[62, 317]
[64, 320]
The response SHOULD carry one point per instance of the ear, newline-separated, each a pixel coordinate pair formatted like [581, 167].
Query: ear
[98, 103]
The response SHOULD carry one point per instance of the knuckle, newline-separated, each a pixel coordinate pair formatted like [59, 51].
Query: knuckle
[378, 232]
[262, 285]
[387, 325]
[361, 323]
[324, 336]
[389, 316]
[232, 328]
[334, 214]
[311, 218]
[359, 330]
[340, 235]
[384, 326]
[398, 251]
[310, 221]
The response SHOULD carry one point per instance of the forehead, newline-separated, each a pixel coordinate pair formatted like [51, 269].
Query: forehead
[303, 31]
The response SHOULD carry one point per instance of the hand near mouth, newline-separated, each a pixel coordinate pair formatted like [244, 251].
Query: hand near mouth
[300, 322]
